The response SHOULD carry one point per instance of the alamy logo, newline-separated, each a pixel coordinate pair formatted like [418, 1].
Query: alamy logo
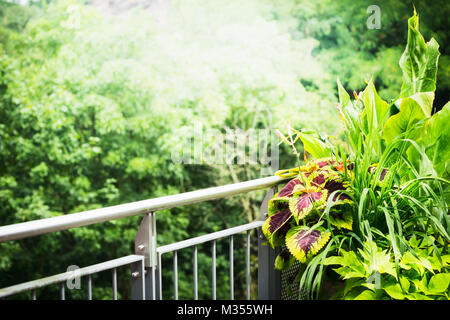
[234, 146]
[375, 279]
[374, 21]
[74, 280]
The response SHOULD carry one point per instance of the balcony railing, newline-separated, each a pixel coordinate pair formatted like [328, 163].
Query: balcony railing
[145, 263]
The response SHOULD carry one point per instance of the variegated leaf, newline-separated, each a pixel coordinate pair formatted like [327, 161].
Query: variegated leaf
[288, 190]
[304, 203]
[274, 224]
[304, 242]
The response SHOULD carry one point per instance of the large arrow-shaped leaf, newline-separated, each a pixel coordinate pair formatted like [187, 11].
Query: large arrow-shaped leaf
[418, 62]
[412, 110]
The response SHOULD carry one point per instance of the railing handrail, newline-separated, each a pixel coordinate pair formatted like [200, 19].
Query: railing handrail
[58, 278]
[85, 218]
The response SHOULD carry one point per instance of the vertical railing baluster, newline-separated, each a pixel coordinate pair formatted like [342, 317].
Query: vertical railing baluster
[142, 272]
[269, 278]
[175, 275]
[89, 287]
[195, 274]
[231, 270]
[213, 254]
[138, 280]
[160, 276]
[114, 283]
[248, 278]
[153, 252]
[33, 294]
[62, 293]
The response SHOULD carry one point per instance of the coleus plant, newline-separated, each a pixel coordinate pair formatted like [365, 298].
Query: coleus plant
[318, 193]
[295, 213]
[385, 183]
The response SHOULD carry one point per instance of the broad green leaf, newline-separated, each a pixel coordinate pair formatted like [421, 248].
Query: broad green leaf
[353, 283]
[376, 110]
[284, 260]
[426, 263]
[375, 113]
[351, 260]
[333, 260]
[418, 62]
[344, 98]
[437, 141]
[367, 295]
[349, 273]
[410, 261]
[405, 283]
[394, 291]
[439, 283]
[417, 296]
[412, 110]
[352, 267]
[314, 145]
[421, 284]
[377, 259]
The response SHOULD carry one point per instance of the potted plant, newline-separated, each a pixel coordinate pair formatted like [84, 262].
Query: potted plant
[367, 217]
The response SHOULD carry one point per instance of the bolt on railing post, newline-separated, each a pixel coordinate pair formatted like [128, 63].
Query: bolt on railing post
[145, 244]
[269, 279]
[138, 284]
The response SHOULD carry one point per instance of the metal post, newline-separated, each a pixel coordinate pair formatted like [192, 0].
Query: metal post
[138, 281]
[231, 269]
[89, 287]
[145, 244]
[247, 269]
[114, 283]
[159, 276]
[175, 275]
[269, 279]
[213, 271]
[195, 273]
[62, 294]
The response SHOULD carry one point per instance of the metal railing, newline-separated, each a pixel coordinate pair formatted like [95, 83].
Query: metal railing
[146, 266]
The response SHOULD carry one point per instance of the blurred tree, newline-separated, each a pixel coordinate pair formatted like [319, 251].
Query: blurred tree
[356, 53]
[92, 107]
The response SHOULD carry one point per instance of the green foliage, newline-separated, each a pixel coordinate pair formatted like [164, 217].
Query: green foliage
[419, 62]
[400, 225]
[92, 107]
[355, 53]
[372, 273]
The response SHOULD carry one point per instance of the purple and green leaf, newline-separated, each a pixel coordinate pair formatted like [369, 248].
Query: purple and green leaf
[333, 185]
[303, 242]
[275, 224]
[306, 201]
[288, 190]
